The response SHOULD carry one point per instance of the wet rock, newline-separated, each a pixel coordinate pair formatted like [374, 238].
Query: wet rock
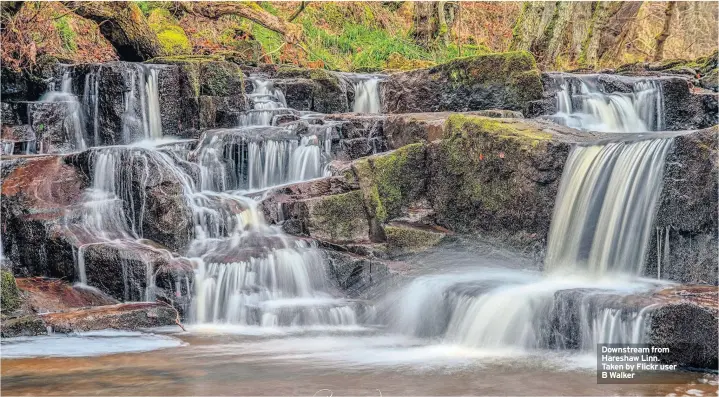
[200, 92]
[359, 275]
[690, 333]
[43, 295]
[329, 92]
[684, 247]
[124, 269]
[37, 194]
[221, 111]
[503, 81]
[299, 93]
[153, 196]
[124, 316]
[53, 126]
[685, 109]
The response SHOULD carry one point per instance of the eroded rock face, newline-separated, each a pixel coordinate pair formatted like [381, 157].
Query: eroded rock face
[685, 109]
[37, 193]
[493, 81]
[685, 246]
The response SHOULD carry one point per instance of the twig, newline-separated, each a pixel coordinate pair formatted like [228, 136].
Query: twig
[177, 314]
[297, 13]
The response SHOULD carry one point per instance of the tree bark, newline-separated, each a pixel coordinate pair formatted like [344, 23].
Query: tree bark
[123, 25]
[432, 22]
[214, 10]
[662, 37]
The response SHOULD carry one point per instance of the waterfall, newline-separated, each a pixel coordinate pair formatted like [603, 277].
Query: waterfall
[241, 159]
[91, 102]
[599, 233]
[141, 119]
[605, 207]
[367, 96]
[268, 102]
[74, 124]
[583, 103]
[153, 129]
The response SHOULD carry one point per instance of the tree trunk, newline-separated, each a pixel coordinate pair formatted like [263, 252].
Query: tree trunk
[123, 25]
[662, 37]
[215, 10]
[432, 22]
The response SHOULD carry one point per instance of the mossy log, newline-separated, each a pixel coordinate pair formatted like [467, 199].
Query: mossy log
[246, 9]
[124, 26]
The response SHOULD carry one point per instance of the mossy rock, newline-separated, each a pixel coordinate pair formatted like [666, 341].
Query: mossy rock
[459, 125]
[507, 80]
[497, 176]
[410, 239]
[11, 299]
[338, 218]
[206, 75]
[390, 182]
[30, 325]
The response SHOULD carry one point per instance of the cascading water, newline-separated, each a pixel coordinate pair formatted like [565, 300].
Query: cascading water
[141, 119]
[367, 96]
[74, 123]
[605, 207]
[599, 234]
[583, 103]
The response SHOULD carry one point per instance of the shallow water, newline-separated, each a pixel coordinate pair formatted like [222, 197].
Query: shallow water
[251, 361]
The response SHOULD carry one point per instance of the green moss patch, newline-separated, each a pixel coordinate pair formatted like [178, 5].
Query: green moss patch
[10, 292]
[409, 239]
[339, 218]
[391, 181]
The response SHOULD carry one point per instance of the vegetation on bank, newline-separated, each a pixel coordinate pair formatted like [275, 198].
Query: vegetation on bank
[372, 36]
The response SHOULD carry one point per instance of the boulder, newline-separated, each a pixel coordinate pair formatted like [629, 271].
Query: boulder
[498, 177]
[329, 91]
[501, 81]
[198, 93]
[337, 218]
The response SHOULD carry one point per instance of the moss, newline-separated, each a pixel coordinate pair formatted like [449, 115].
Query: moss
[10, 292]
[459, 125]
[67, 35]
[341, 216]
[514, 71]
[392, 180]
[30, 325]
[172, 37]
[410, 238]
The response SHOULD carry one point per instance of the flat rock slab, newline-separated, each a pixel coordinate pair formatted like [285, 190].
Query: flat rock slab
[44, 295]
